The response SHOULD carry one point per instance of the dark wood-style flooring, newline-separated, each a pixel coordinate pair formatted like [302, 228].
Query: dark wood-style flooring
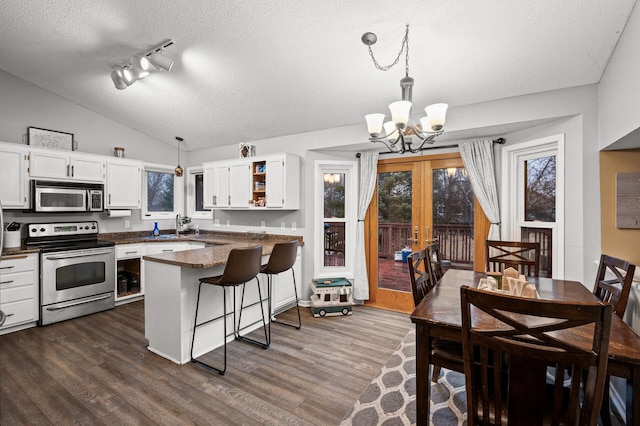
[97, 370]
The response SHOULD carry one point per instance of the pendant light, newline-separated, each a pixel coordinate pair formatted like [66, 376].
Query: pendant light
[179, 169]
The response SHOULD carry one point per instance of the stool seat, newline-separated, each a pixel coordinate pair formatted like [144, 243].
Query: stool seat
[282, 258]
[243, 265]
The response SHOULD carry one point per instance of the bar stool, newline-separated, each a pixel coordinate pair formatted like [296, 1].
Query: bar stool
[243, 265]
[282, 259]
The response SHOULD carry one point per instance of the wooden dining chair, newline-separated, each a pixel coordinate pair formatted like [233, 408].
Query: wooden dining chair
[433, 250]
[613, 284]
[521, 256]
[444, 353]
[508, 343]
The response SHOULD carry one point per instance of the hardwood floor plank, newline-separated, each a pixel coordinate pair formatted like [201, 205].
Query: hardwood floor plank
[97, 370]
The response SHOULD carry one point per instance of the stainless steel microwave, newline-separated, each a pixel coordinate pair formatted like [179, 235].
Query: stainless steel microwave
[63, 197]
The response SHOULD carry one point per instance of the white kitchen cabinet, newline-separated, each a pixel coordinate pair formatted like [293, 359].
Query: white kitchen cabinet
[19, 291]
[282, 181]
[216, 185]
[129, 278]
[265, 182]
[48, 164]
[14, 182]
[159, 248]
[239, 184]
[283, 295]
[124, 184]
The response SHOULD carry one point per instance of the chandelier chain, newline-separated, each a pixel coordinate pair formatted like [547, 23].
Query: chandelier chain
[405, 45]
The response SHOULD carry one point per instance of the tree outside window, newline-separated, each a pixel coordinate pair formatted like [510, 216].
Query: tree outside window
[160, 191]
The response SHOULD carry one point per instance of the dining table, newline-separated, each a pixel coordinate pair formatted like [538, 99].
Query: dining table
[438, 315]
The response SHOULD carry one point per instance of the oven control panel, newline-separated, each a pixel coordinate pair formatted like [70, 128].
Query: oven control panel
[63, 229]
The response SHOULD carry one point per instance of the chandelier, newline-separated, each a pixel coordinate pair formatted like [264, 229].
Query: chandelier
[398, 133]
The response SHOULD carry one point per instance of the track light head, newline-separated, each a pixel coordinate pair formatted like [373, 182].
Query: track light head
[141, 66]
[160, 61]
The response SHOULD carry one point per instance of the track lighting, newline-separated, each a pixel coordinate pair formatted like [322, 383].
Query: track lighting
[142, 65]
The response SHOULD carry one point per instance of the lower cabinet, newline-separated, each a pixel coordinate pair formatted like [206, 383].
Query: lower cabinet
[19, 291]
[129, 275]
[130, 266]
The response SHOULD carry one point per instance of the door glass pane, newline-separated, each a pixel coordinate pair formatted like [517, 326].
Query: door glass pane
[453, 217]
[394, 230]
[540, 191]
[80, 274]
[544, 236]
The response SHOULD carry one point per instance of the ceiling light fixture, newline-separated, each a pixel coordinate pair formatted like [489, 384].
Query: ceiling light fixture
[179, 170]
[399, 132]
[142, 65]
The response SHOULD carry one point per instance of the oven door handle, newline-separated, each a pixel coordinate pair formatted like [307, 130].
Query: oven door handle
[76, 303]
[73, 256]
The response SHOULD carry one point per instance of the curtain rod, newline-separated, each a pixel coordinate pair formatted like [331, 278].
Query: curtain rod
[499, 141]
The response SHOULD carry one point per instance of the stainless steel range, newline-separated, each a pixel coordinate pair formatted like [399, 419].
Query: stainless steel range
[77, 271]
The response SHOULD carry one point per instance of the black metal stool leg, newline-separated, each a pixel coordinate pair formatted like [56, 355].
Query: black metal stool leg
[295, 289]
[267, 342]
[224, 320]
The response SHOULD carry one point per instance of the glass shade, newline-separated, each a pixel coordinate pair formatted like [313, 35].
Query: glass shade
[391, 131]
[374, 124]
[436, 116]
[400, 112]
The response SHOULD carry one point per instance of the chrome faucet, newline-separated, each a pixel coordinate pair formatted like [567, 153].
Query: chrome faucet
[181, 221]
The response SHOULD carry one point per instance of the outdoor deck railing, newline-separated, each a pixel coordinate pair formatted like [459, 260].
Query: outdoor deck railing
[457, 242]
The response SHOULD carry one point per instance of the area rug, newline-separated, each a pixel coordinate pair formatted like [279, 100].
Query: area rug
[390, 399]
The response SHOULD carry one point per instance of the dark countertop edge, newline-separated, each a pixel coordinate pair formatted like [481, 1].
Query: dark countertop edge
[220, 237]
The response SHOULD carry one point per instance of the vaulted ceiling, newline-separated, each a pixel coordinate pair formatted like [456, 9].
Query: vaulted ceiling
[254, 69]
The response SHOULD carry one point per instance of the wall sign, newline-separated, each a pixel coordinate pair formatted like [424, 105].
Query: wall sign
[628, 200]
[52, 139]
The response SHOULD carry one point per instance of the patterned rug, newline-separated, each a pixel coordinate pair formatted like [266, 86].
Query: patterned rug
[390, 399]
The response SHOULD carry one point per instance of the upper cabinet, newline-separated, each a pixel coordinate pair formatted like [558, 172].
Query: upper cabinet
[124, 184]
[45, 164]
[265, 182]
[14, 185]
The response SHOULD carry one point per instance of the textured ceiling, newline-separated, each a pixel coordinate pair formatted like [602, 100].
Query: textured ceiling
[249, 70]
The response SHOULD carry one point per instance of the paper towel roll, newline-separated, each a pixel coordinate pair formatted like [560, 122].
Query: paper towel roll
[118, 213]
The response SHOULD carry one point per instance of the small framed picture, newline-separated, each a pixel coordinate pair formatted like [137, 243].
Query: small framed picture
[44, 138]
[247, 150]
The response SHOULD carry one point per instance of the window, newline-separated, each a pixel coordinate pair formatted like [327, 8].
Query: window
[162, 192]
[533, 189]
[336, 210]
[195, 194]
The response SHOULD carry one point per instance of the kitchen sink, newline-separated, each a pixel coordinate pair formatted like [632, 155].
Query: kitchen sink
[163, 237]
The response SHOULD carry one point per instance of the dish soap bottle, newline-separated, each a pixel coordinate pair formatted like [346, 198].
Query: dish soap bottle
[197, 230]
[156, 230]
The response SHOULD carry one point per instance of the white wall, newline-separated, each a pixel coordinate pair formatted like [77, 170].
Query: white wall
[619, 89]
[25, 105]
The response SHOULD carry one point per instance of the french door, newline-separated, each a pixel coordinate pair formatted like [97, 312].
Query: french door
[416, 200]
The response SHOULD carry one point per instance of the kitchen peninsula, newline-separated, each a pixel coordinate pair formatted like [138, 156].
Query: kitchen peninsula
[171, 291]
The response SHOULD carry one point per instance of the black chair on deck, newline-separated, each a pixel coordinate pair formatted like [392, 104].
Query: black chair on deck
[283, 256]
[243, 265]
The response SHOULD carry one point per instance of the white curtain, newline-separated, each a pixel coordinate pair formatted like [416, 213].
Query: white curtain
[477, 157]
[368, 172]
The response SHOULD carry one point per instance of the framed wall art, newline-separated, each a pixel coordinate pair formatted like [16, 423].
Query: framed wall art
[44, 138]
